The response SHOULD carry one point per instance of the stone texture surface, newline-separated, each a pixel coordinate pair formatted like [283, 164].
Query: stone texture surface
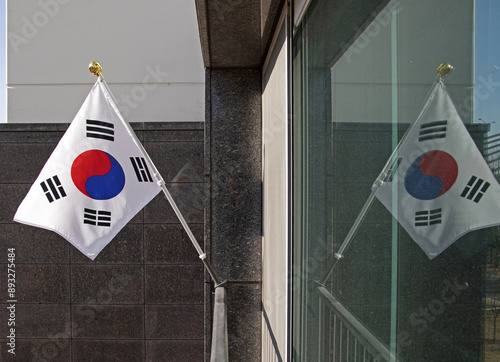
[235, 173]
[174, 351]
[244, 321]
[179, 251]
[31, 349]
[236, 33]
[233, 211]
[142, 298]
[174, 322]
[99, 350]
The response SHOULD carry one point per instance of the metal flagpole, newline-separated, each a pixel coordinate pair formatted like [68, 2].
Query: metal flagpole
[443, 70]
[95, 68]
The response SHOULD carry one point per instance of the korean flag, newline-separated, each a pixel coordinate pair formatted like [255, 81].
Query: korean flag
[437, 184]
[95, 181]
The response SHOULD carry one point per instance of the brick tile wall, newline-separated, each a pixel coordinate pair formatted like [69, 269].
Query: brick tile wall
[142, 298]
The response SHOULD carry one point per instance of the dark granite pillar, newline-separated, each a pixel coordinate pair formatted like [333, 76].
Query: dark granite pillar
[233, 216]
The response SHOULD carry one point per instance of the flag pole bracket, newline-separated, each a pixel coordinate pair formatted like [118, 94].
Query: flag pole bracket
[159, 180]
[380, 181]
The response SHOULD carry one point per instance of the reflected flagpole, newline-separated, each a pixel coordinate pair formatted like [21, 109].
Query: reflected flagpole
[96, 69]
[386, 175]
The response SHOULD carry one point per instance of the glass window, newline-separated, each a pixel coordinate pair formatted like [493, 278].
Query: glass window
[362, 74]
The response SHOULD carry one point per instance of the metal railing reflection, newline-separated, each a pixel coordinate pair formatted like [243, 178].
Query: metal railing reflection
[347, 339]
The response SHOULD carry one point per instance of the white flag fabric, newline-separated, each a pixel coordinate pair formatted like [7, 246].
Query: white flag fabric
[95, 181]
[437, 184]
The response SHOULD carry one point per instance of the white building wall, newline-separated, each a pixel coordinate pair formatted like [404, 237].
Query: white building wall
[275, 175]
[149, 50]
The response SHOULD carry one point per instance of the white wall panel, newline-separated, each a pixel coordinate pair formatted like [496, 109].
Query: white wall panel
[149, 44]
[60, 103]
[275, 201]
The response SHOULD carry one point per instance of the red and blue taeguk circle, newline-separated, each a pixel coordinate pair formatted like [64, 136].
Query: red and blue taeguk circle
[431, 175]
[97, 175]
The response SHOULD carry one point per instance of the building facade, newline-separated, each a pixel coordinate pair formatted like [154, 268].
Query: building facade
[304, 102]
[142, 299]
[341, 82]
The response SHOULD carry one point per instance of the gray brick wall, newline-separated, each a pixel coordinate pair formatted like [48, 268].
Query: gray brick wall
[142, 298]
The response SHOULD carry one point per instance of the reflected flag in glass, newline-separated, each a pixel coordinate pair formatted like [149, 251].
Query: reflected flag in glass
[437, 184]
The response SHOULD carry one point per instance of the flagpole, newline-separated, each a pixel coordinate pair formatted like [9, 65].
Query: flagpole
[443, 70]
[95, 68]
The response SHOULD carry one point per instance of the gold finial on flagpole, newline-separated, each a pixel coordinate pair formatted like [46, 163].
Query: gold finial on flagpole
[444, 69]
[95, 68]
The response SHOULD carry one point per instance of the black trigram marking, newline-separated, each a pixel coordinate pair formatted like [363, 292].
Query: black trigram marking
[96, 217]
[100, 129]
[428, 217]
[475, 189]
[53, 189]
[141, 169]
[432, 130]
[392, 170]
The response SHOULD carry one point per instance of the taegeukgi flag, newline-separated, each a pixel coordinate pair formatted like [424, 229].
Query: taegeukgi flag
[95, 181]
[437, 184]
